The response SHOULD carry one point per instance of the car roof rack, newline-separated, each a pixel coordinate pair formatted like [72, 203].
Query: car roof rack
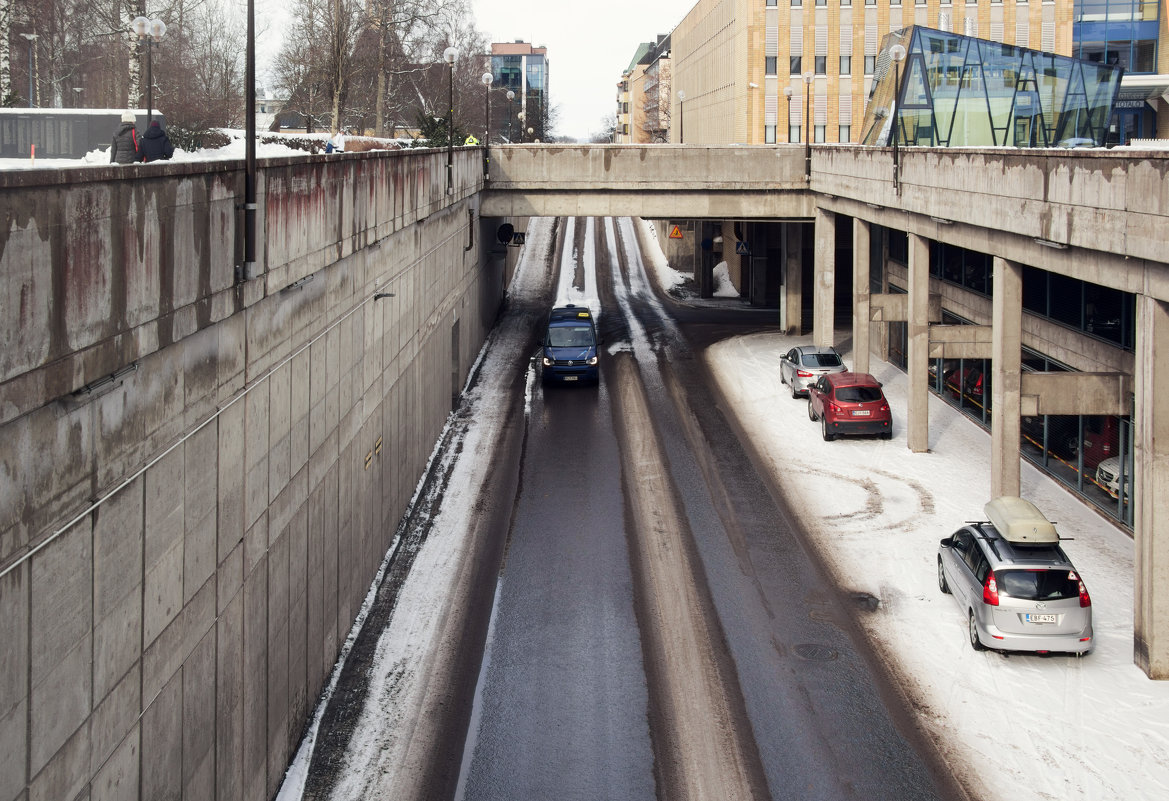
[1020, 522]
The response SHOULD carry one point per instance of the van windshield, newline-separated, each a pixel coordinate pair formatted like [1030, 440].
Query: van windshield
[570, 336]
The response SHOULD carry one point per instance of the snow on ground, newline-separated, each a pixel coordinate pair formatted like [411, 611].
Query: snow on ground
[1023, 726]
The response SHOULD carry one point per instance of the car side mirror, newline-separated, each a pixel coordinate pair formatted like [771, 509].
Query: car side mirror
[947, 542]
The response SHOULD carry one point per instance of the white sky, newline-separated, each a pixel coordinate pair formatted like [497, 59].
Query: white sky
[589, 44]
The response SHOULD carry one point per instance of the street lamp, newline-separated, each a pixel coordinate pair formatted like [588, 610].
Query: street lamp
[897, 53]
[32, 38]
[487, 79]
[77, 90]
[808, 78]
[152, 30]
[450, 55]
[522, 117]
[681, 117]
[787, 93]
[510, 107]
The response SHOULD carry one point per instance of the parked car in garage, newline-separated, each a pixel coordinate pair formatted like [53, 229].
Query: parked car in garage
[1108, 476]
[849, 403]
[800, 367]
[1014, 583]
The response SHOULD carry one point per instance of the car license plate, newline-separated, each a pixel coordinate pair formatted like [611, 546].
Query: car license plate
[861, 413]
[1039, 618]
[570, 378]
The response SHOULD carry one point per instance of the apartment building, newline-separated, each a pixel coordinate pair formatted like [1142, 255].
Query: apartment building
[522, 70]
[771, 71]
[643, 95]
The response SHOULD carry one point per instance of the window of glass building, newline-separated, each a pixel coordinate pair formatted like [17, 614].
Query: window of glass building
[769, 134]
[795, 65]
[769, 65]
[845, 133]
[846, 65]
[821, 64]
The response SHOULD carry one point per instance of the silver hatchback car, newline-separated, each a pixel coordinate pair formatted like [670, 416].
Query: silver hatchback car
[1017, 587]
[801, 367]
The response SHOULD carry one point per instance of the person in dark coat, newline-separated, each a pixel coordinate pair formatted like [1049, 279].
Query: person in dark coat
[125, 148]
[156, 144]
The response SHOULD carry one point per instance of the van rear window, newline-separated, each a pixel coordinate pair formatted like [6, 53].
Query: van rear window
[1038, 585]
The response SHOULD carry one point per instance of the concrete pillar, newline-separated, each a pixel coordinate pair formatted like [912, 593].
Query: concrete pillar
[1151, 490]
[917, 413]
[1006, 360]
[860, 295]
[882, 329]
[793, 278]
[824, 290]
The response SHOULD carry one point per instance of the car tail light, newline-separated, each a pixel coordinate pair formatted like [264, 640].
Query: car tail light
[803, 374]
[1085, 599]
[990, 590]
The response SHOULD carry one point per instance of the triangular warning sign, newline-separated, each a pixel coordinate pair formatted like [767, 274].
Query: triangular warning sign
[676, 232]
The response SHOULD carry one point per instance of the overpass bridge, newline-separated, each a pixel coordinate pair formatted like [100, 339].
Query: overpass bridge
[200, 470]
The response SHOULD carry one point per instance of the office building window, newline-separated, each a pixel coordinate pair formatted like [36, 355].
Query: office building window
[870, 65]
[793, 133]
[894, 2]
[769, 134]
[821, 64]
[845, 2]
[845, 133]
[772, 3]
[870, 2]
[846, 65]
[821, 2]
[921, 2]
[797, 3]
[795, 65]
[819, 133]
[770, 65]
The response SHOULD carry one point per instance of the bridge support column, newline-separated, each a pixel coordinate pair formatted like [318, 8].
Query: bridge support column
[917, 411]
[1151, 490]
[861, 236]
[824, 288]
[793, 279]
[1007, 358]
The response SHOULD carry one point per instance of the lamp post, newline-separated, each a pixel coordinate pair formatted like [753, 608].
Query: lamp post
[808, 78]
[152, 30]
[77, 90]
[897, 53]
[510, 108]
[487, 79]
[32, 38]
[450, 55]
[522, 118]
[787, 93]
[681, 117]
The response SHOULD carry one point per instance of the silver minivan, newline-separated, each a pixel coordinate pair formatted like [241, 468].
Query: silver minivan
[1016, 586]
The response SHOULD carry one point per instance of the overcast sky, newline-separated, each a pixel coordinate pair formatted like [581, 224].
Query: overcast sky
[589, 44]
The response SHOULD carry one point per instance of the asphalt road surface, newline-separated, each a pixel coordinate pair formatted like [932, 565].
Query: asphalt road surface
[643, 620]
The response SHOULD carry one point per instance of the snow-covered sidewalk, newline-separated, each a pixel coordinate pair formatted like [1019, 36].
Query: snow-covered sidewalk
[1019, 726]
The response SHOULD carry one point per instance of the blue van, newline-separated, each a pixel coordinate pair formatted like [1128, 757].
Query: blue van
[570, 346]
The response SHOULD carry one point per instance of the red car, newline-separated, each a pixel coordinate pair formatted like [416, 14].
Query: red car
[850, 403]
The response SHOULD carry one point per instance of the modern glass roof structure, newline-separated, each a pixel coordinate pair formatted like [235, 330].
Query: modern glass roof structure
[959, 91]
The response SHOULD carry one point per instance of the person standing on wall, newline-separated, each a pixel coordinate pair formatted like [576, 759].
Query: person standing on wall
[156, 144]
[125, 148]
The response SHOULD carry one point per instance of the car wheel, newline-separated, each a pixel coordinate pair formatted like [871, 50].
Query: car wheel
[972, 629]
[886, 435]
[828, 435]
[811, 413]
[942, 584]
[795, 393]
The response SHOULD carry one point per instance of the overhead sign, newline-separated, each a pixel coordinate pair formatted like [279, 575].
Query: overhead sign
[742, 249]
[676, 232]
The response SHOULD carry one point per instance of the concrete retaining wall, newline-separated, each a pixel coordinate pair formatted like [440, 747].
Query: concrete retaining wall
[199, 477]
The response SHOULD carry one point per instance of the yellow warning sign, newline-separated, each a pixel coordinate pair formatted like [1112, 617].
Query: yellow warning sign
[676, 232]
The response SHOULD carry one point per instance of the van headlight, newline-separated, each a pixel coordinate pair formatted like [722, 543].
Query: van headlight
[593, 361]
[547, 362]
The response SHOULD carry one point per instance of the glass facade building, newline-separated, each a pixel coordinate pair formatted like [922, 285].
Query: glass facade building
[522, 69]
[960, 91]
